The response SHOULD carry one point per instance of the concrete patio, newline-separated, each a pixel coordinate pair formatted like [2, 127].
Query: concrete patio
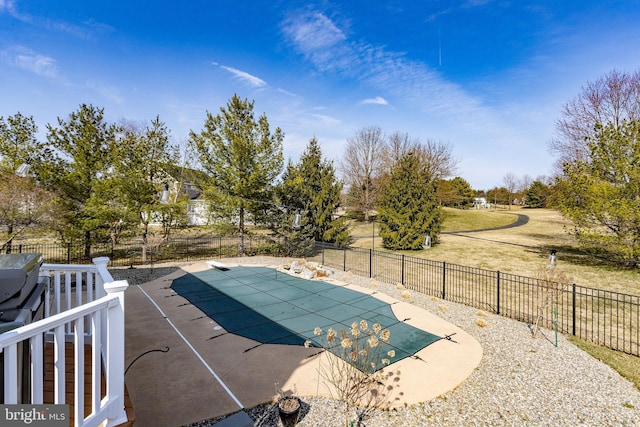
[202, 377]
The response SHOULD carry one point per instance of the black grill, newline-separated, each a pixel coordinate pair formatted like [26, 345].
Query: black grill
[20, 290]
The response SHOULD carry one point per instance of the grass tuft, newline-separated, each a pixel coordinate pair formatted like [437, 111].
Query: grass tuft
[481, 323]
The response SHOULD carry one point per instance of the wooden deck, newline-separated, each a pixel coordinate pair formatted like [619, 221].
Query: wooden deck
[48, 387]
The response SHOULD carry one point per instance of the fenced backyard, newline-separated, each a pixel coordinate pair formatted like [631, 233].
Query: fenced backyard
[607, 318]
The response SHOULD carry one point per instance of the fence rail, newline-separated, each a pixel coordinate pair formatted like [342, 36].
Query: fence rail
[607, 318]
[131, 253]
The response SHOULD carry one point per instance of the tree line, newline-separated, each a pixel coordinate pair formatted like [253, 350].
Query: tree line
[100, 181]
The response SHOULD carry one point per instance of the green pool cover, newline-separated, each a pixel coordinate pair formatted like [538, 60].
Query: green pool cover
[276, 308]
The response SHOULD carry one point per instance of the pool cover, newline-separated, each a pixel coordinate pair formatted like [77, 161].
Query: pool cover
[272, 307]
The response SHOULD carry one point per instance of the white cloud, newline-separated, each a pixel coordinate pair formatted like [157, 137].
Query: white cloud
[317, 38]
[414, 84]
[378, 100]
[86, 30]
[312, 31]
[325, 120]
[29, 60]
[244, 76]
[9, 6]
[111, 93]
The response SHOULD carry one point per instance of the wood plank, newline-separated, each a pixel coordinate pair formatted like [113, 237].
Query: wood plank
[49, 386]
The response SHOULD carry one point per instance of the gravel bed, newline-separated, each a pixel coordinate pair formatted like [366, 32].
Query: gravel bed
[521, 381]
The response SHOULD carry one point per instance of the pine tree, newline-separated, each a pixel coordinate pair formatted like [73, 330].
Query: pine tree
[408, 209]
[81, 161]
[311, 190]
[536, 195]
[242, 156]
[139, 180]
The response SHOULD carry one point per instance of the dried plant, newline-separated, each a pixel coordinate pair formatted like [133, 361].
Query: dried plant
[552, 282]
[359, 376]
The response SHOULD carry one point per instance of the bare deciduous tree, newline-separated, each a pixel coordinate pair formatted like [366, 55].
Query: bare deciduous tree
[398, 144]
[23, 203]
[610, 99]
[362, 165]
[510, 182]
[437, 157]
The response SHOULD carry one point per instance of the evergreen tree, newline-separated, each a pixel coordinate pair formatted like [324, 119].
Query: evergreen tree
[536, 195]
[141, 180]
[408, 208]
[242, 156]
[18, 142]
[81, 159]
[311, 190]
[455, 192]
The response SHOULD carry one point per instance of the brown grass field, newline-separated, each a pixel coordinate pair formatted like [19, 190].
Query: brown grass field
[522, 250]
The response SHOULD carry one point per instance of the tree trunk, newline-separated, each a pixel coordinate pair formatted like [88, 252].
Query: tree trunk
[87, 244]
[241, 232]
[9, 243]
[144, 246]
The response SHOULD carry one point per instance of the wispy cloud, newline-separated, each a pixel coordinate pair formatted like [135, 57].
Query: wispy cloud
[378, 100]
[29, 60]
[318, 39]
[312, 31]
[244, 76]
[110, 93]
[86, 30]
[387, 71]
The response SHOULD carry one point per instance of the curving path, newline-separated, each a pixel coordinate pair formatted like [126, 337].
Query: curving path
[521, 220]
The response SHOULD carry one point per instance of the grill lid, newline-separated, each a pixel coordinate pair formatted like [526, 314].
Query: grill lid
[16, 270]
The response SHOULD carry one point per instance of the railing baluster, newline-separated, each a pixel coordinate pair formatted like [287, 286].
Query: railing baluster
[59, 365]
[56, 291]
[96, 367]
[37, 374]
[11, 374]
[78, 340]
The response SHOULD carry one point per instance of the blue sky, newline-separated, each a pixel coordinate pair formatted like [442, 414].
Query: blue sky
[488, 77]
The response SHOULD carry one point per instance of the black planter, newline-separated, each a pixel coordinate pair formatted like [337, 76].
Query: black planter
[289, 410]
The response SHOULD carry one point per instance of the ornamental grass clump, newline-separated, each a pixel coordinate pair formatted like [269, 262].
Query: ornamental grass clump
[359, 376]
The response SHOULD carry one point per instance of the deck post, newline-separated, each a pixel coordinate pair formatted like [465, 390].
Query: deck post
[115, 354]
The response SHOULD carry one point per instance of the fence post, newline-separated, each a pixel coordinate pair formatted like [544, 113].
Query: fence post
[444, 279]
[498, 295]
[322, 254]
[370, 263]
[344, 259]
[402, 276]
[573, 306]
[69, 253]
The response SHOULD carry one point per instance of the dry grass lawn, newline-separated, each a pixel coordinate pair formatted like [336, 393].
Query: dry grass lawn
[519, 250]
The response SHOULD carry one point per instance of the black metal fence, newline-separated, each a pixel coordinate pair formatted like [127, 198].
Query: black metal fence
[131, 253]
[611, 319]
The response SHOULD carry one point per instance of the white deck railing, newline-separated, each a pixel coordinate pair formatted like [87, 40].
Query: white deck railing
[82, 305]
